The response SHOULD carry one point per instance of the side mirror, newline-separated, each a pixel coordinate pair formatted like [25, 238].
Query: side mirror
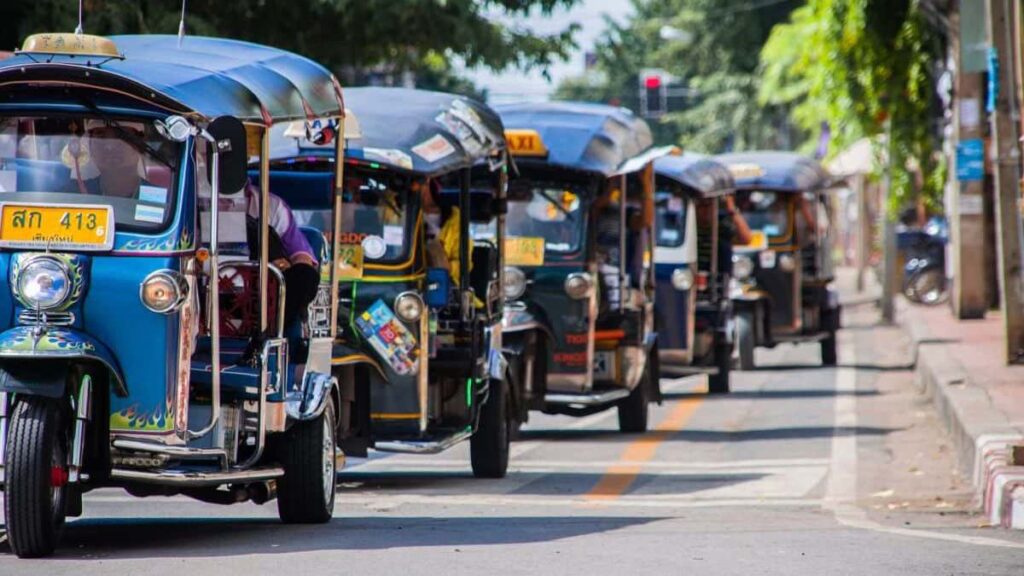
[175, 128]
[229, 142]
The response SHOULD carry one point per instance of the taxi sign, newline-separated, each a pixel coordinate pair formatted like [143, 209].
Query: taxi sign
[525, 143]
[70, 45]
[524, 251]
[56, 227]
[758, 240]
[740, 171]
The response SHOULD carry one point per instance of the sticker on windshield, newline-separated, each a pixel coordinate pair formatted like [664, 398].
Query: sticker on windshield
[9, 181]
[152, 194]
[771, 229]
[434, 148]
[559, 246]
[152, 214]
[394, 235]
[374, 247]
[391, 156]
[350, 261]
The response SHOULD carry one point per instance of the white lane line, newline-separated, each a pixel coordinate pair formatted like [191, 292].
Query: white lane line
[531, 465]
[841, 489]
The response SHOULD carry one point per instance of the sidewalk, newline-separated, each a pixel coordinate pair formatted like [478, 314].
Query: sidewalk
[960, 366]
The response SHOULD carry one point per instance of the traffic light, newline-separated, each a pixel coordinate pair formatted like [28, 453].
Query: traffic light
[653, 93]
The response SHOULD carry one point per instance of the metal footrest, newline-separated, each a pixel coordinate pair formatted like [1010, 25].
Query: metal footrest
[589, 399]
[426, 447]
[197, 478]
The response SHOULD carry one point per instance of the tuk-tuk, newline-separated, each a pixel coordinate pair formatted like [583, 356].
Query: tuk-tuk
[133, 351]
[692, 263]
[420, 345]
[784, 275]
[579, 286]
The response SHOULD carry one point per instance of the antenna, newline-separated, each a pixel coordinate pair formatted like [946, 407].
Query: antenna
[78, 30]
[181, 25]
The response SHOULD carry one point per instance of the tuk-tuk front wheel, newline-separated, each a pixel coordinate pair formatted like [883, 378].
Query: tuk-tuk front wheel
[489, 445]
[745, 340]
[828, 350]
[634, 409]
[36, 491]
[718, 383]
[305, 494]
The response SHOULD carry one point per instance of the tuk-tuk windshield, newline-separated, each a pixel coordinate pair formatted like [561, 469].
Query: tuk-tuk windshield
[376, 216]
[555, 214]
[121, 163]
[671, 220]
[765, 212]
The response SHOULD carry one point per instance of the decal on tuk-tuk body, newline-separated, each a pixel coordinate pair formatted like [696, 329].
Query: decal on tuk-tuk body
[389, 338]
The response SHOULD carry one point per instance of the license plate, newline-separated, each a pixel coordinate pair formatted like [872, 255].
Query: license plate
[56, 227]
[524, 251]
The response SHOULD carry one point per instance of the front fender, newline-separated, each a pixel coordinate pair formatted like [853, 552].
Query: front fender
[29, 346]
[513, 321]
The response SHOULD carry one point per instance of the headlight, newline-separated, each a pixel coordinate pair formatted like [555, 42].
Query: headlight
[682, 279]
[578, 285]
[44, 283]
[163, 291]
[787, 263]
[409, 306]
[742, 266]
[515, 283]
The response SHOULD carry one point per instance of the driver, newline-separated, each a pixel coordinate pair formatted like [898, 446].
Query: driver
[117, 160]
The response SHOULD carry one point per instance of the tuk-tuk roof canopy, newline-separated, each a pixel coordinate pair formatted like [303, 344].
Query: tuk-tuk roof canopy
[697, 174]
[208, 77]
[421, 131]
[776, 171]
[581, 136]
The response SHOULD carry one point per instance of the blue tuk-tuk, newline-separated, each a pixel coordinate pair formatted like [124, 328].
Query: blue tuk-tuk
[785, 273]
[693, 263]
[419, 343]
[141, 346]
[579, 288]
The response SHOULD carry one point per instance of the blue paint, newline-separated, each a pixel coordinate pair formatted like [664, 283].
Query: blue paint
[970, 160]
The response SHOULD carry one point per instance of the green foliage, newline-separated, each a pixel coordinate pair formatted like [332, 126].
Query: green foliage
[711, 47]
[865, 67]
[353, 37]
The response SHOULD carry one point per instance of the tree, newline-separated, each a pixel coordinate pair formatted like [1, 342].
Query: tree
[866, 68]
[353, 37]
[711, 47]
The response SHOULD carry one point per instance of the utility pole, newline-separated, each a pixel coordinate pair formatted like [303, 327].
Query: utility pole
[967, 179]
[1004, 119]
[888, 235]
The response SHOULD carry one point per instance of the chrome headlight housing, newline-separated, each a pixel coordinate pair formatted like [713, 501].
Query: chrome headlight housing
[514, 283]
[682, 279]
[742, 266]
[579, 285]
[44, 283]
[163, 291]
[409, 306]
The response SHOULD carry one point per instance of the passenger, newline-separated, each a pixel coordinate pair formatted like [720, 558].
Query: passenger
[289, 251]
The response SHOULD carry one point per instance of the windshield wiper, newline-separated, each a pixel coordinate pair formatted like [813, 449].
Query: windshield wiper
[555, 203]
[137, 142]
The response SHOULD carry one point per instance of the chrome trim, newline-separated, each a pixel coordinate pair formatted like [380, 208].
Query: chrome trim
[54, 318]
[409, 293]
[173, 277]
[213, 294]
[191, 478]
[3, 432]
[594, 399]
[181, 452]
[309, 403]
[83, 406]
[431, 447]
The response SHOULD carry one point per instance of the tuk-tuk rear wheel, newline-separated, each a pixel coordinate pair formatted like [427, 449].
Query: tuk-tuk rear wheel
[305, 494]
[489, 445]
[745, 340]
[36, 491]
[635, 408]
[829, 356]
[718, 383]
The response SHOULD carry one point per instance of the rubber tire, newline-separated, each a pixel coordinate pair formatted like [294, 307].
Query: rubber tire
[745, 340]
[828, 350]
[300, 493]
[634, 409]
[489, 445]
[719, 383]
[35, 431]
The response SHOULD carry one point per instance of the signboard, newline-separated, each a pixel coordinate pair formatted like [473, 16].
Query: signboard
[524, 251]
[970, 160]
[525, 143]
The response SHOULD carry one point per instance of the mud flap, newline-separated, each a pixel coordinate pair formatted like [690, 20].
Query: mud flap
[48, 379]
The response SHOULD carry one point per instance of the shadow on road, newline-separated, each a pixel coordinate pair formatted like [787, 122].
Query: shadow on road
[119, 538]
[769, 394]
[690, 435]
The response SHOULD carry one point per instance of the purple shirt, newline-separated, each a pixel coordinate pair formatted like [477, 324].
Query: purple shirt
[281, 221]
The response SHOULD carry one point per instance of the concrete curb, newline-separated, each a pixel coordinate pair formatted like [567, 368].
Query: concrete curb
[981, 434]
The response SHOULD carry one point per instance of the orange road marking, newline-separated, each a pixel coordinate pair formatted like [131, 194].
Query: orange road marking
[618, 478]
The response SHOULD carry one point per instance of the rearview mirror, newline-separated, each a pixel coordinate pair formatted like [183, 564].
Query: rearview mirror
[229, 142]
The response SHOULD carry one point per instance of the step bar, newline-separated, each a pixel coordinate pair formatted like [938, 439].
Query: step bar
[428, 447]
[591, 399]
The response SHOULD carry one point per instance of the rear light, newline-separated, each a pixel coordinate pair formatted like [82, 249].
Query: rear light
[702, 281]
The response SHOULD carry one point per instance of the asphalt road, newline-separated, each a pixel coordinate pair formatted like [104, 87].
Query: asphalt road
[802, 470]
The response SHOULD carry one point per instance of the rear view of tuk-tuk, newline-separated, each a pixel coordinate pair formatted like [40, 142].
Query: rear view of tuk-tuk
[125, 357]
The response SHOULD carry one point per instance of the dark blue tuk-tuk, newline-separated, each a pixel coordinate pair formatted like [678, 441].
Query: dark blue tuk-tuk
[419, 344]
[137, 347]
[579, 288]
[785, 272]
[693, 262]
